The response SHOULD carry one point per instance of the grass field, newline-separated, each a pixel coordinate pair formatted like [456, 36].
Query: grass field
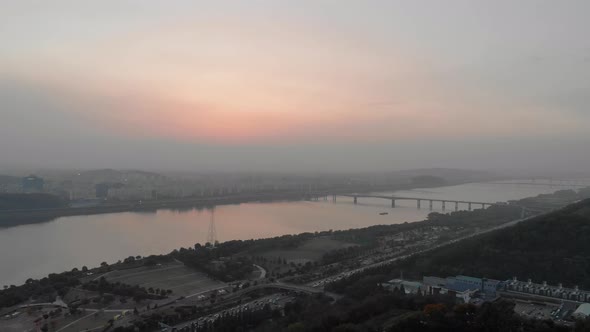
[177, 277]
[311, 250]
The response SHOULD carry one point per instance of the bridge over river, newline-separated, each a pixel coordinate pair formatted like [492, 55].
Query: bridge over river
[418, 200]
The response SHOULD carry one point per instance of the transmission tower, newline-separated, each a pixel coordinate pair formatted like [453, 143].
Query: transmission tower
[212, 234]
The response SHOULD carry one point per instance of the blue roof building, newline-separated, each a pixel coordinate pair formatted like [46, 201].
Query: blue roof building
[462, 283]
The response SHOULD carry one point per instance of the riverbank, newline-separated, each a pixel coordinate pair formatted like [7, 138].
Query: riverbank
[22, 217]
[68, 242]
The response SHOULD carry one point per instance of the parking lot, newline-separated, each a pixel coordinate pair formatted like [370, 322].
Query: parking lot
[534, 310]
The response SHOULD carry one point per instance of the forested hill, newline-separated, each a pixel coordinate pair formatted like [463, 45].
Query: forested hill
[553, 248]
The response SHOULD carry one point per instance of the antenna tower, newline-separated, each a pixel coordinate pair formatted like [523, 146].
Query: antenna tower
[212, 233]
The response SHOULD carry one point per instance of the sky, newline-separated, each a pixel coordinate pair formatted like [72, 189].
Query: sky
[306, 85]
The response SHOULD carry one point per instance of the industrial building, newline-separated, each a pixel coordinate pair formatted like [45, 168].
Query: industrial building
[536, 301]
[556, 292]
[465, 283]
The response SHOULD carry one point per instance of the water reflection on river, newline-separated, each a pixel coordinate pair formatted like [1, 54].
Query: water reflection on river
[38, 249]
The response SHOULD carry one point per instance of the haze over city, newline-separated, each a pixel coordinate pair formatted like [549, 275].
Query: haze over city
[295, 86]
[294, 166]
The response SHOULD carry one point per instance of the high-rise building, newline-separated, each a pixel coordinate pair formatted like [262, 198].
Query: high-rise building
[32, 183]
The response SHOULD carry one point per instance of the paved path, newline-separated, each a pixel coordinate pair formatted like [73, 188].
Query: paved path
[262, 271]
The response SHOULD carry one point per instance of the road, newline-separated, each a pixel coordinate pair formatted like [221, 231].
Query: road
[262, 271]
[275, 300]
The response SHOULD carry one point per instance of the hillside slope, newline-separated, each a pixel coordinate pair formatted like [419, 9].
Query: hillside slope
[553, 248]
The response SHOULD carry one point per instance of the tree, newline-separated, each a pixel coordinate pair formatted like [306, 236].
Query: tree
[296, 327]
[129, 259]
[435, 311]
[108, 299]
[150, 262]
[348, 327]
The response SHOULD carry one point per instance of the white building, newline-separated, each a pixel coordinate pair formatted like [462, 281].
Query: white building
[582, 312]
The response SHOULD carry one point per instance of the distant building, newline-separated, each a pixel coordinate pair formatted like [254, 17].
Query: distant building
[102, 190]
[130, 193]
[32, 183]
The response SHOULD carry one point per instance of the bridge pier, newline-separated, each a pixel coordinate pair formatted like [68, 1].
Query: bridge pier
[355, 197]
[334, 198]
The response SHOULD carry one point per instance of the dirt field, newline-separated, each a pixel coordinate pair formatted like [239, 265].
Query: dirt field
[310, 251]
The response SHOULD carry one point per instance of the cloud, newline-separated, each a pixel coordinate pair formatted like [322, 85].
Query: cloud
[173, 80]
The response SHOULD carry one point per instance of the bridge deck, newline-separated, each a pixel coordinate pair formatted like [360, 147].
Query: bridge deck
[401, 198]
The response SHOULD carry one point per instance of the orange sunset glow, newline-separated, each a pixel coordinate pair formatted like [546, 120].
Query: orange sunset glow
[302, 74]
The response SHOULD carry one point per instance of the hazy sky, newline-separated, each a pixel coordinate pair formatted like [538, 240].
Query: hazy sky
[295, 85]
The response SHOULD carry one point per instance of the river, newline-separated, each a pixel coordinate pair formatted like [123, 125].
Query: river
[34, 250]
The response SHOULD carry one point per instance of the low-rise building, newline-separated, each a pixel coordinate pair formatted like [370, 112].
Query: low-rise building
[130, 193]
[582, 311]
[409, 287]
[462, 287]
[557, 292]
